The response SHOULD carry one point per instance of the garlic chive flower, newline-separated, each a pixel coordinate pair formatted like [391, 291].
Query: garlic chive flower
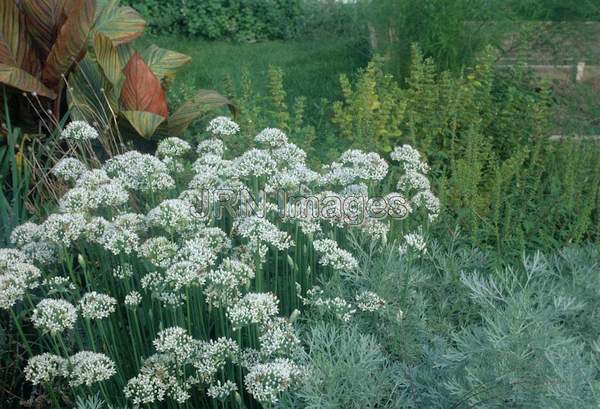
[87, 368]
[222, 126]
[44, 369]
[68, 169]
[95, 305]
[266, 382]
[79, 131]
[54, 316]
[331, 255]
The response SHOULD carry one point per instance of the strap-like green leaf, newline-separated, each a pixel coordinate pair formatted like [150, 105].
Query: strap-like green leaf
[164, 63]
[20, 79]
[71, 42]
[194, 108]
[145, 123]
[120, 24]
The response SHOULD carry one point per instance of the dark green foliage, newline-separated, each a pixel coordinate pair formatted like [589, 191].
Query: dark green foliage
[486, 136]
[243, 20]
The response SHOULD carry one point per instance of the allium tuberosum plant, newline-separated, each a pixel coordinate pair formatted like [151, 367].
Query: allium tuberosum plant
[167, 280]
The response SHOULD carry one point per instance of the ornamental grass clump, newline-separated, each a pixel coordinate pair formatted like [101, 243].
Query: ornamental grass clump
[177, 278]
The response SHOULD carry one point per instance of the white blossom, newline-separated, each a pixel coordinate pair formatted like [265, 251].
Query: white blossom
[222, 126]
[44, 368]
[87, 368]
[94, 305]
[79, 131]
[54, 316]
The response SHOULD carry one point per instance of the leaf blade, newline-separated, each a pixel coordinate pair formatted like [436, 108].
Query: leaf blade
[142, 90]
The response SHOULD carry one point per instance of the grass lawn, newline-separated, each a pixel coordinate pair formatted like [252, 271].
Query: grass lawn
[311, 67]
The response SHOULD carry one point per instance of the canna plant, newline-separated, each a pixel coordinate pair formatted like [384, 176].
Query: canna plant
[146, 288]
[120, 89]
[41, 43]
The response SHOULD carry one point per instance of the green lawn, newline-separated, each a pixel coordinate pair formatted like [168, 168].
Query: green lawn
[311, 67]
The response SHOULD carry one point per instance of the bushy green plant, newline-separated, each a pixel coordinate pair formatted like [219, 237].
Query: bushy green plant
[245, 20]
[453, 33]
[474, 333]
[142, 287]
[502, 180]
[346, 369]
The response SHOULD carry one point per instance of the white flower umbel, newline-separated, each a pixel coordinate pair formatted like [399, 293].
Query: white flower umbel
[213, 355]
[175, 216]
[222, 126]
[369, 301]
[409, 158]
[95, 305]
[79, 131]
[87, 368]
[24, 234]
[253, 308]
[224, 285]
[221, 391]
[68, 169]
[260, 232]
[255, 162]
[63, 229]
[331, 255]
[176, 342]
[16, 278]
[272, 137]
[413, 181]
[429, 201]
[40, 253]
[278, 338]
[173, 148]
[212, 146]
[54, 316]
[44, 369]
[266, 382]
[413, 242]
[160, 251]
[133, 299]
[140, 172]
[154, 382]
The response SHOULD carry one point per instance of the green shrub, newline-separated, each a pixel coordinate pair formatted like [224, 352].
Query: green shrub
[486, 136]
[242, 20]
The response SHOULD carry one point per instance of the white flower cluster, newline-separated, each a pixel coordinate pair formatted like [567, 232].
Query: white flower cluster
[140, 172]
[17, 276]
[221, 391]
[79, 131]
[158, 243]
[253, 308]
[68, 169]
[173, 148]
[95, 306]
[415, 181]
[87, 368]
[54, 316]
[333, 256]
[369, 301]
[265, 382]
[366, 301]
[222, 126]
[413, 241]
[83, 368]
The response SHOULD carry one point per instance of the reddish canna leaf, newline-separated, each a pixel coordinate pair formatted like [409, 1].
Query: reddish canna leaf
[71, 42]
[44, 18]
[142, 90]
